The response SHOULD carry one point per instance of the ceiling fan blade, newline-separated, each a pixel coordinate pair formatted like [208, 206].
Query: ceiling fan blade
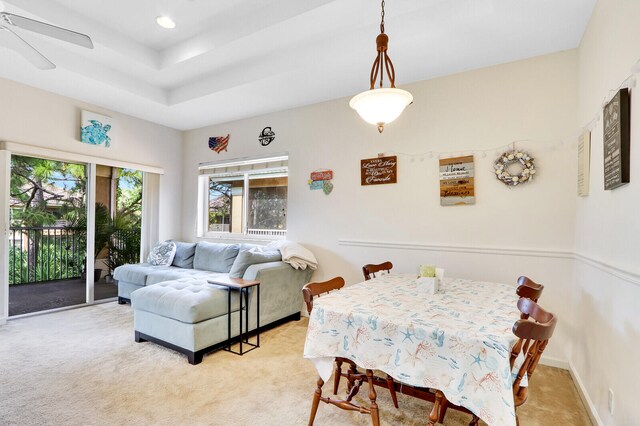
[48, 30]
[13, 41]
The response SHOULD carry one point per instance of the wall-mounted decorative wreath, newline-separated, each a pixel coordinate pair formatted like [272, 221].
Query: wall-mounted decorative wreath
[514, 167]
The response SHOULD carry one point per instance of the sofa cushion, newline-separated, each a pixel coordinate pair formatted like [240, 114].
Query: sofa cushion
[137, 273]
[186, 300]
[215, 257]
[162, 254]
[174, 273]
[252, 256]
[184, 255]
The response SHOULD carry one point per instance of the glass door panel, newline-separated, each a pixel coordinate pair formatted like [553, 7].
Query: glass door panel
[118, 224]
[47, 237]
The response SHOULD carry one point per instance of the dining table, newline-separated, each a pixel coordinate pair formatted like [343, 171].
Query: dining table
[457, 340]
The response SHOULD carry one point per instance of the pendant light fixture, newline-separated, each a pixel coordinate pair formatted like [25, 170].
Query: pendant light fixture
[382, 105]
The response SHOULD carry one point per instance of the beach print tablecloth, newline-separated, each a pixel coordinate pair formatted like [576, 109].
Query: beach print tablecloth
[458, 341]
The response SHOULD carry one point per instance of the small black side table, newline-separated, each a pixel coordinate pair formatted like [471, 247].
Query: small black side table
[242, 286]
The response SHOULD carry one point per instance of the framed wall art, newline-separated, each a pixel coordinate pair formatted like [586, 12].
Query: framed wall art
[617, 132]
[95, 129]
[457, 181]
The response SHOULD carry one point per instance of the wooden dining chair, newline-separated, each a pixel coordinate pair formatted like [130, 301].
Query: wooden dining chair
[370, 269]
[533, 334]
[354, 377]
[528, 289]
[315, 289]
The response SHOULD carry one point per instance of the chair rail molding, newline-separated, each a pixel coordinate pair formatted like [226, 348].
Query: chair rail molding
[630, 276]
[507, 251]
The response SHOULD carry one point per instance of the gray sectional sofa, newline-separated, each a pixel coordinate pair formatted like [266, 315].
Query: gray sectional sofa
[175, 306]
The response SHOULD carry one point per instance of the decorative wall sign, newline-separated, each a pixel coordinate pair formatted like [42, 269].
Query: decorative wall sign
[95, 129]
[321, 179]
[617, 130]
[378, 171]
[266, 136]
[457, 184]
[584, 157]
[514, 167]
[219, 143]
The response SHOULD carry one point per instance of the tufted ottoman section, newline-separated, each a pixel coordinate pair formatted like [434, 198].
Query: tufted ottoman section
[186, 300]
[187, 315]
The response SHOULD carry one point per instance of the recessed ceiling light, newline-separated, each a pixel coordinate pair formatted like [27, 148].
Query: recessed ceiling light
[165, 22]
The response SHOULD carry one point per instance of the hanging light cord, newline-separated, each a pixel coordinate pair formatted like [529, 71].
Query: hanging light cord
[382, 43]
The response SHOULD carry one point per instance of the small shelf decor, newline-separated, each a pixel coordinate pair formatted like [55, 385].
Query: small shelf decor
[514, 167]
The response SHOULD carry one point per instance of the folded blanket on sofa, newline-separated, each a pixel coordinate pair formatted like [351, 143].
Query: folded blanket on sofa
[295, 255]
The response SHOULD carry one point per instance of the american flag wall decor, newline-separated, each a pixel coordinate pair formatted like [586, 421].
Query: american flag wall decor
[218, 143]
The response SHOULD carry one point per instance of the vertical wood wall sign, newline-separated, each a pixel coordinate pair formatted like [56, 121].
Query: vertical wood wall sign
[617, 130]
[378, 171]
[457, 185]
[584, 157]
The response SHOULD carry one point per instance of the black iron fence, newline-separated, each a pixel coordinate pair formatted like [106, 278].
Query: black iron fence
[39, 254]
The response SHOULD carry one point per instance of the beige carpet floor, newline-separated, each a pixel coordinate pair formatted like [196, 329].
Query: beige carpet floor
[82, 367]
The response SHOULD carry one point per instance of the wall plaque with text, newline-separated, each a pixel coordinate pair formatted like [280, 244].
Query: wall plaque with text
[584, 157]
[377, 171]
[457, 184]
[617, 130]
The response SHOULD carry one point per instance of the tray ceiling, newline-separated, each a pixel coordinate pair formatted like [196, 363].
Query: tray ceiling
[233, 59]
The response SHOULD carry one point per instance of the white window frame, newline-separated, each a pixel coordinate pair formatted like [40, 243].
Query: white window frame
[257, 165]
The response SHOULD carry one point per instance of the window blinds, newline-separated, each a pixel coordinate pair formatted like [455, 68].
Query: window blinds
[239, 167]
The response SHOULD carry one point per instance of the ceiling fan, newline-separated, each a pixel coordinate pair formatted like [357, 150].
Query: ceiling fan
[13, 41]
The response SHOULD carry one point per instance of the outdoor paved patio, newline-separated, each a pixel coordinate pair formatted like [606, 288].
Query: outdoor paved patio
[27, 298]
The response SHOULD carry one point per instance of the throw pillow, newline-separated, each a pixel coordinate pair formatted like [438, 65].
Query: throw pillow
[162, 254]
[184, 255]
[215, 257]
[252, 256]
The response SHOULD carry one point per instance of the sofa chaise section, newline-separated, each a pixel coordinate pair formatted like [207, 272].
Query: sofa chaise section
[176, 306]
[191, 316]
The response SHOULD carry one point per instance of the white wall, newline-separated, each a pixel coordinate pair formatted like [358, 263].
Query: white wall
[36, 117]
[607, 273]
[527, 230]
[30, 116]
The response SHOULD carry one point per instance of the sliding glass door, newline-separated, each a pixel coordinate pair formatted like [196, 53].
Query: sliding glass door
[53, 259]
[47, 234]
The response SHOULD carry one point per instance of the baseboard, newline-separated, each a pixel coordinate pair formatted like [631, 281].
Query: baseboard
[555, 362]
[584, 395]
[582, 391]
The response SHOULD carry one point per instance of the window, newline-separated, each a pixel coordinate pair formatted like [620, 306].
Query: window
[244, 197]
